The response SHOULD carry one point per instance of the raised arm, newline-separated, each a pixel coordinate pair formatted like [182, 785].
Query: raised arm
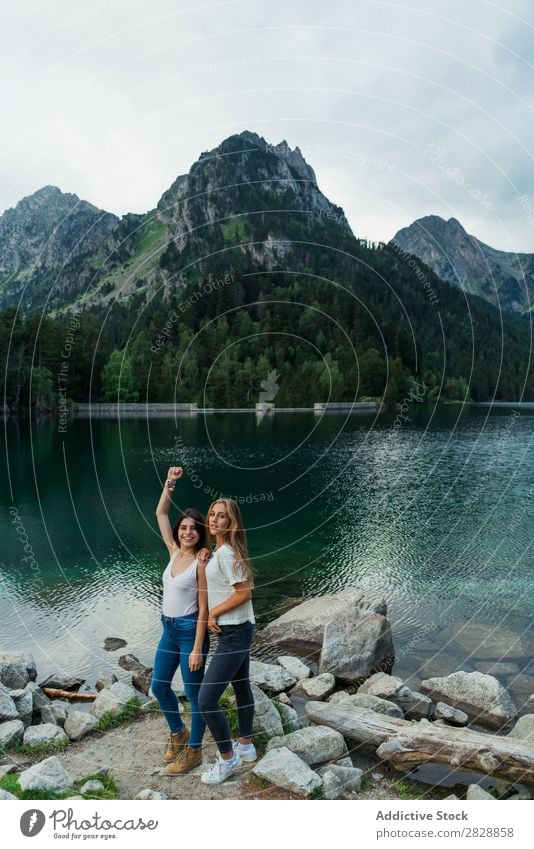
[162, 510]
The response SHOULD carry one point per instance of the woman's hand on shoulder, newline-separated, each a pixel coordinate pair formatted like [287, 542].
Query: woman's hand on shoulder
[203, 556]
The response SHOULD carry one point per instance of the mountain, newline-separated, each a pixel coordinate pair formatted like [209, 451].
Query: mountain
[61, 251]
[244, 269]
[504, 279]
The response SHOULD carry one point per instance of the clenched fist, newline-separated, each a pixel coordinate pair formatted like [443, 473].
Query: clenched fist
[175, 473]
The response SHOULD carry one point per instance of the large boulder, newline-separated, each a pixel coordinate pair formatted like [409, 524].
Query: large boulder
[35, 735]
[363, 700]
[381, 685]
[480, 696]
[302, 627]
[285, 769]
[315, 744]
[46, 775]
[16, 669]
[356, 645]
[340, 781]
[112, 700]
[78, 724]
[8, 708]
[141, 674]
[266, 720]
[11, 732]
[271, 677]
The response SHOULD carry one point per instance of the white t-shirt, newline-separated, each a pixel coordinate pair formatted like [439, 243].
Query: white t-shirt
[221, 577]
[180, 594]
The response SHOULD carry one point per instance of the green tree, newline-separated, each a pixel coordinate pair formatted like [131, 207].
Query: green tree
[118, 379]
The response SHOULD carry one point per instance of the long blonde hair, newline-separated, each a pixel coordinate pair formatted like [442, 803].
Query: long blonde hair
[235, 536]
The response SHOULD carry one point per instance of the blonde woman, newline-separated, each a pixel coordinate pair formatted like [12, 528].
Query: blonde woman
[231, 618]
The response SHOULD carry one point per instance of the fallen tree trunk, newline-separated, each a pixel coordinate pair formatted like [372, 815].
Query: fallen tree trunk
[408, 744]
[53, 693]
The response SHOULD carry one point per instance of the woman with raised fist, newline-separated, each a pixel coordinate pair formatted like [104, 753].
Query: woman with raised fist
[184, 641]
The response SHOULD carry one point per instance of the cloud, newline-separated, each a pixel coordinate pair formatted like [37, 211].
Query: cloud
[113, 99]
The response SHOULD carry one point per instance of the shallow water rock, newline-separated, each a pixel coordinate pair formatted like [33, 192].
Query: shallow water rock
[522, 685]
[315, 744]
[141, 674]
[487, 642]
[355, 645]
[497, 668]
[294, 666]
[317, 688]
[271, 677]
[46, 775]
[285, 769]
[382, 685]
[57, 681]
[48, 732]
[480, 696]
[303, 626]
[11, 732]
[105, 679]
[114, 643]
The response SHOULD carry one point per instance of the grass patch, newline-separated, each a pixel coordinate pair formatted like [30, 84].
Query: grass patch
[234, 231]
[366, 782]
[10, 783]
[126, 715]
[40, 749]
[406, 790]
[317, 793]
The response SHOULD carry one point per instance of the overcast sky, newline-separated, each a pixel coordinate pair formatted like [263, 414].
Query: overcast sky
[402, 109]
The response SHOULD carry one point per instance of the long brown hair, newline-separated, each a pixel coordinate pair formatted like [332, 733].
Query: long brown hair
[235, 536]
[200, 526]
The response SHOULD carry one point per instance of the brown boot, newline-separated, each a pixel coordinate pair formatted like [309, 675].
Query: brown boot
[175, 744]
[187, 759]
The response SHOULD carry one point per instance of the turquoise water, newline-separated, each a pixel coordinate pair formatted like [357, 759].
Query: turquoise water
[436, 513]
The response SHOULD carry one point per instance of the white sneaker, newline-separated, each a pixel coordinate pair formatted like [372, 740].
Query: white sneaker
[247, 752]
[221, 770]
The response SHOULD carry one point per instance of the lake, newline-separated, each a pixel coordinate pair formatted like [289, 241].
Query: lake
[435, 512]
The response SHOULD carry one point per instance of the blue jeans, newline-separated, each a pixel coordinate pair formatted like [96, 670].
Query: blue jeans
[173, 650]
[229, 665]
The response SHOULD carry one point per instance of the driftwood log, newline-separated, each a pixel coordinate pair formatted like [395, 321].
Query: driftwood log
[407, 744]
[53, 693]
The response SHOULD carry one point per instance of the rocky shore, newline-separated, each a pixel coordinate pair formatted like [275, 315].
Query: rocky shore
[332, 721]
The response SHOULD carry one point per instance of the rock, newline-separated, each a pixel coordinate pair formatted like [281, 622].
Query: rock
[303, 626]
[11, 732]
[16, 669]
[78, 724]
[39, 699]
[340, 780]
[6, 769]
[474, 792]
[46, 775]
[112, 700]
[490, 667]
[57, 681]
[377, 704]
[294, 666]
[344, 761]
[93, 786]
[147, 793]
[141, 675]
[414, 705]
[317, 688]
[355, 645]
[46, 733]
[523, 795]
[285, 769]
[452, 798]
[284, 699]
[290, 718]
[114, 643]
[315, 744]
[480, 696]
[522, 685]
[271, 677]
[55, 713]
[487, 642]
[8, 708]
[381, 685]
[266, 720]
[340, 696]
[104, 680]
[24, 704]
[455, 717]
[5, 795]
[523, 729]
